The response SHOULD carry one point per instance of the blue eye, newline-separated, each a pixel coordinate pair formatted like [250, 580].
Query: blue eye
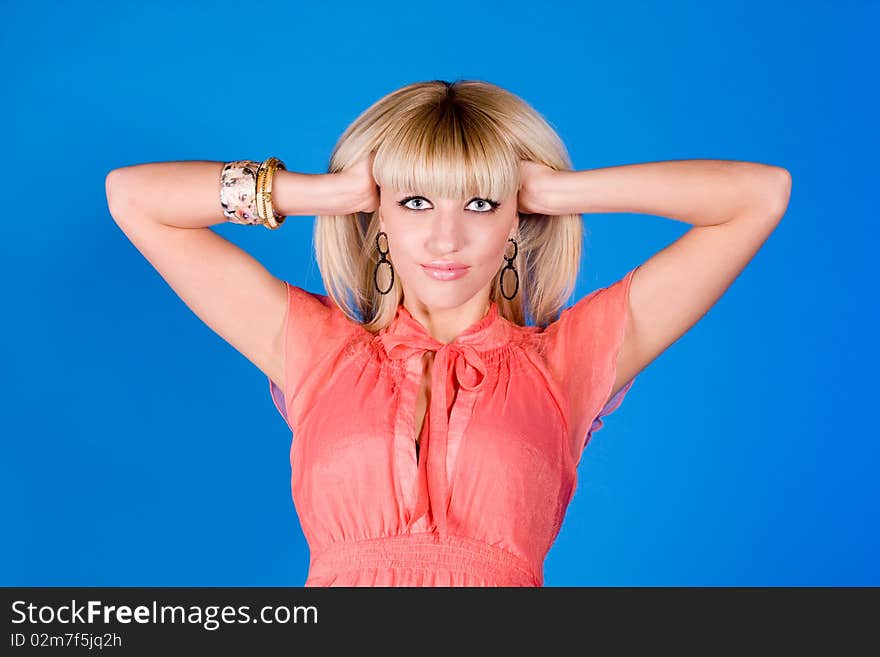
[487, 204]
[403, 203]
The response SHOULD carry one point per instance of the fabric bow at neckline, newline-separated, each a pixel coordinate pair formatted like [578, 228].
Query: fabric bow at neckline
[456, 363]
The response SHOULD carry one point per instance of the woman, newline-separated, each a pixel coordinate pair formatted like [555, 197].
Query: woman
[437, 433]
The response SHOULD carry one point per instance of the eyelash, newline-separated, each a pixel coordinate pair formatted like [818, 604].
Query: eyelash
[495, 204]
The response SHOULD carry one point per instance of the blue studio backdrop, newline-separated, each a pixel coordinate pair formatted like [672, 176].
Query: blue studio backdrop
[139, 448]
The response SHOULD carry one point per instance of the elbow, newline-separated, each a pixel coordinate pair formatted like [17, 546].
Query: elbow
[782, 185]
[771, 191]
[112, 191]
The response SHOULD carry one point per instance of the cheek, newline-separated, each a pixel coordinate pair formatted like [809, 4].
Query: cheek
[401, 236]
[493, 246]
[405, 245]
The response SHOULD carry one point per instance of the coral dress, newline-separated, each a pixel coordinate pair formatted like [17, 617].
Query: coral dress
[510, 412]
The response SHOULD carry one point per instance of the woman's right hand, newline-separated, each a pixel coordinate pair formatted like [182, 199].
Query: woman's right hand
[356, 188]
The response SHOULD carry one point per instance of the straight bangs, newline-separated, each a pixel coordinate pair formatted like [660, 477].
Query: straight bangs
[447, 151]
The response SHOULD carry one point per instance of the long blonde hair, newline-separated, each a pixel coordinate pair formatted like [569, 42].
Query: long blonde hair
[452, 140]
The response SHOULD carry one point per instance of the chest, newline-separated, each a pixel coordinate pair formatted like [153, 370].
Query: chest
[356, 467]
[374, 409]
[423, 400]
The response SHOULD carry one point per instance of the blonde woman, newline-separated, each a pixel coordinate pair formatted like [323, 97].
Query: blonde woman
[436, 431]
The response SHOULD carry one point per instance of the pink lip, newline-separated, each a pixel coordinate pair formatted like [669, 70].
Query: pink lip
[445, 264]
[445, 273]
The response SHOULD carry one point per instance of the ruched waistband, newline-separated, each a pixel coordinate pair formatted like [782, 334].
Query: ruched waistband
[426, 551]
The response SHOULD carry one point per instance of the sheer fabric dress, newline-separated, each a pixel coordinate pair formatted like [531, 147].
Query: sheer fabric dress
[511, 410]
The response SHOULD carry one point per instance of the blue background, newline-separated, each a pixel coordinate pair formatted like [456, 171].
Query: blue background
[139, 448]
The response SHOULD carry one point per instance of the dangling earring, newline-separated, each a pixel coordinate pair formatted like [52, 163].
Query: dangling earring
[510, 266]
[382, 260]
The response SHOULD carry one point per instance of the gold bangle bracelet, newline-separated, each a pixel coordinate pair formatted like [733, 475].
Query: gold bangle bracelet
[265, 178]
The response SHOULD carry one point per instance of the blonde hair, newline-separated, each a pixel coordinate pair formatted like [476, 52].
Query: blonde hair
[453, 140]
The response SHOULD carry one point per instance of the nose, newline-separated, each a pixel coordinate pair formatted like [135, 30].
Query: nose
[447, 234]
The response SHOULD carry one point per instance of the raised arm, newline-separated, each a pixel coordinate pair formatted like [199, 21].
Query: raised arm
[733, 206]
[166, 210]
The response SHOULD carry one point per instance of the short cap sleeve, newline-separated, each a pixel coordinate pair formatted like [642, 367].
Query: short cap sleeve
[315, 332]
[582, 349]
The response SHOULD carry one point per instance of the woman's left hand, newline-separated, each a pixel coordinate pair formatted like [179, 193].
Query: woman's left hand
[536, 181]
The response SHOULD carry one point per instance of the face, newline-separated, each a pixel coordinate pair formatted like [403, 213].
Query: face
[471, 232]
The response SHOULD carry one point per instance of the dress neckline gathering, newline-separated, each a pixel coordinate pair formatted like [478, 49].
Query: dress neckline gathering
[486, 333]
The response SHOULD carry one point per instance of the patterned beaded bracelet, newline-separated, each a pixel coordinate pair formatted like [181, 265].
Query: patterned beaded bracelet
[246, 188]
